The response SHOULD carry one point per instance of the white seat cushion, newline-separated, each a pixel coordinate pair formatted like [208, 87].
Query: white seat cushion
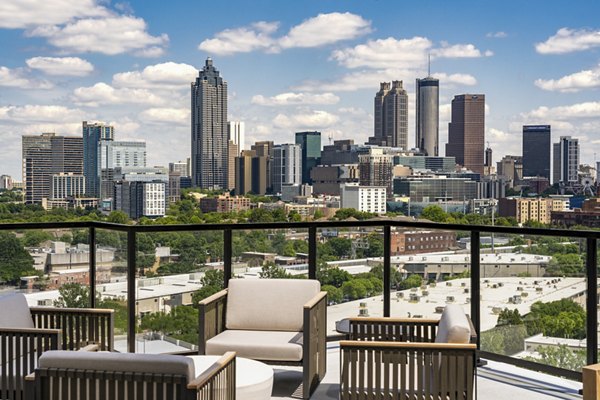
[258, 345]
[120, 362]
[268, 304]
[454, 326]
[14, 312]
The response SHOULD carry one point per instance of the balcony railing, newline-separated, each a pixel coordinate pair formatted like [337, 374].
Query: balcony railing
[131, 232]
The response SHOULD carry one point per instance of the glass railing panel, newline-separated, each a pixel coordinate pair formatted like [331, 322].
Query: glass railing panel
[533, 299]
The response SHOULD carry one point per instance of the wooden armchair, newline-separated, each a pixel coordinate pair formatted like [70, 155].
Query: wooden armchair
[123, 376]
[409, 358]
[276, 321]
[25, 333]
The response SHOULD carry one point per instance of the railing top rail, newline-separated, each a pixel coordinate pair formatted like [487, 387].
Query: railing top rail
[305, 225]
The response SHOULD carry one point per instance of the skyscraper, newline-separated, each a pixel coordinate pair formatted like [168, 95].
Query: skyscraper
[93, 137]
[286, 166]
[428, 115]
[209, 129]
[375, 169]
[117, 154]
[466, 131]
[236, 131]
[566, 160]
[536, 150]
[391, 116]
[47, 155]
[310, 142]
[265, 149]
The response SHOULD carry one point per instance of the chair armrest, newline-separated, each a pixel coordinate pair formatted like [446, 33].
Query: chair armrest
[393, 329]
[80, 326]
[407, 346]
[223, 366]
[473, 332]
[90, 348]
[314, 341]
[315, 300]
[211, 316]
[30, 331]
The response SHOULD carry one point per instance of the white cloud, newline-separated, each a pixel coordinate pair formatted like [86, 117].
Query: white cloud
[459, 51]
[291, 98]
[497, 35]
[71, 66]
[569, 40]
[590, 109]
[385, 53]
[305, 120]
[27, 13]
[16, 78]
[586, 79]
[168, 74]
[101, 93]
[109, 35]
[241, 40]
[36, 114]
[313, 32]
[326, 29]
[179, 116]
[456, 79]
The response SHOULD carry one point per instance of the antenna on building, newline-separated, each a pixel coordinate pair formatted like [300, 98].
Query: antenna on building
[330, 137]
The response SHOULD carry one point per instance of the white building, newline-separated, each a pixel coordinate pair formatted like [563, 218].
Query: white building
[154, 199]
[236, 131]
[67, 185]
[364, 198]
[6, 182]
[286, 166]
[180, 167]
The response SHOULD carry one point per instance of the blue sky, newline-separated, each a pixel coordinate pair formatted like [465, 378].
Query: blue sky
[293, 65]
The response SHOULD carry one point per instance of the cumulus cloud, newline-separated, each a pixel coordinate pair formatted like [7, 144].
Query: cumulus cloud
[36, 114]
[102, 93]
[569, 40]
[16, 78]
[586, 79]
[456, 79]
[313, 32]
[326, 29]
[459, 51]
[179, 116]
[27, 13]
[590, 109]
[305, 120]
[291, 98]
[69, 66]
[497, 35]
[168, 74]
[385, 53]
[109, 35]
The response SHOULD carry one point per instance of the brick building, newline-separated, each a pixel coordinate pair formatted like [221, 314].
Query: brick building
[224, 204]
[416, 242]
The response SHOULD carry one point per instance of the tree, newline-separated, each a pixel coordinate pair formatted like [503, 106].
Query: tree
[34, 238]
[334, 295]
[411, 282]
[434, 213]
[354, 289]
[332, 276]
[560, 356]
[509, 317]
[565, 265]
[73, 295]
[15, 261]
[118, 217]
[272, 271]
[212, 282]
[181, 323]
[562, 318]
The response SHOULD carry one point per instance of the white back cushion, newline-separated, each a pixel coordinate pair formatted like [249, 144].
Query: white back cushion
[119, 362]
[454, 326]
[14, 312]
[268, 304]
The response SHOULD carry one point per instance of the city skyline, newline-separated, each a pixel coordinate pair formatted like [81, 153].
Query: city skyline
[50, 82]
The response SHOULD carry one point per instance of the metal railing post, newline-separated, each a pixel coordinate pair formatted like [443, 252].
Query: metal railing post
[591, 267]
[312, 252]
[227, 254]
[92, 252]
[387, 266]
[475, 284]
[131, 275]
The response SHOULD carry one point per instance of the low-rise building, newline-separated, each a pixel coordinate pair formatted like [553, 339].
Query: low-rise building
[224, 204]
[531, 209]
[364, 198]
[408, 241]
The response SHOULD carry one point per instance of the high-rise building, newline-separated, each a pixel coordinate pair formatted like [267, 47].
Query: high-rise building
[141, 199]
[6, 182]
[566, 160]
[391, 116]
[236, 131]
[117, 154]
[265, 149]
[466, 131]
[209, 129]
[340, 152]
[286, 166]
[363, 198]
[67, 185]
[310, 142]
[180, 167]
[536, 150]
[375, 169]
[94, 136]
[510, 167]
[46, 155]
[428, 115]
[232, 154]
[251, 173]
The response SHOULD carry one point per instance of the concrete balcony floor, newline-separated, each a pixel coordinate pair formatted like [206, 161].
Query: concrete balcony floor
[494, 381]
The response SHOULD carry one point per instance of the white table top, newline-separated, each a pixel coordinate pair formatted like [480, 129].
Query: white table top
[247, 372]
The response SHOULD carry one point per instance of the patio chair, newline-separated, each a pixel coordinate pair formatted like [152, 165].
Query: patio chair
[409, 358]
[276, 321]
[122, 376]
[25, 333]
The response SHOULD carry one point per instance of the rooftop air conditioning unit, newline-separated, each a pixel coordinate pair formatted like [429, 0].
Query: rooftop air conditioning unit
[450, 299]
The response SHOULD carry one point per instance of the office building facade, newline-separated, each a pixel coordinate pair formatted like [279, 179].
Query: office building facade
[375, 168]
[310, 143]
[265, 149]
[236, 131]
[428, 115]
[391, 116]
[209, 129]
[286, 166]
[117, 154]
[370, 199]
[67, 185]
[94, 137]
[566, 160]
[536, 150]
[251, 173]
[466, 131]
[46, 155]
[232, 154]
[436, 188]
[340, 152]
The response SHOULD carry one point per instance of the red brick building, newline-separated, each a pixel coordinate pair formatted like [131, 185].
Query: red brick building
[416, 242]
[224, 204]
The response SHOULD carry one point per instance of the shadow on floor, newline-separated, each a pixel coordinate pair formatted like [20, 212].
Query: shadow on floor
[288, 384]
